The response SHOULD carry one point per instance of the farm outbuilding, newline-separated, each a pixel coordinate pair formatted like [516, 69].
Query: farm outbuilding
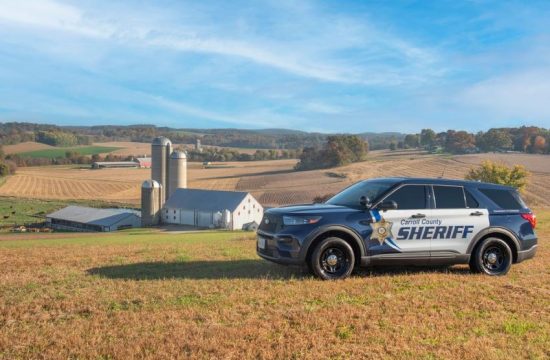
[114, 164]
[212, 209]
[144, 162]
[80, 218]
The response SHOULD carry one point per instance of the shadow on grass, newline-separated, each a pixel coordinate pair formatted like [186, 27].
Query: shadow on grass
[214, 269]
[243, 269]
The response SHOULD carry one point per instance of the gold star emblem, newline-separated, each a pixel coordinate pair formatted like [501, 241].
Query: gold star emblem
[381, 231]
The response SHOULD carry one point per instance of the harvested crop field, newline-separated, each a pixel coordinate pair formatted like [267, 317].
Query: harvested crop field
[273, 183]
[144, 294]
[25, 147]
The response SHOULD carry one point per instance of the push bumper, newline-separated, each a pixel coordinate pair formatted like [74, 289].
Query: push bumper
[527, 254]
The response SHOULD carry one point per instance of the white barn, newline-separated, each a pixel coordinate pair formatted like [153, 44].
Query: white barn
[212, 209]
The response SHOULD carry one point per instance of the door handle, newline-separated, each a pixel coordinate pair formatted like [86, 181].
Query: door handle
[418, 216]
[476, 213]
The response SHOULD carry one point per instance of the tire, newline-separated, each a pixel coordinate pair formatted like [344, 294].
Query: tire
[332, 259]
[492, 257]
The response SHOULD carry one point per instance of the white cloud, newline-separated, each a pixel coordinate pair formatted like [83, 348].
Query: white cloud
[310, 56]
[522, 94]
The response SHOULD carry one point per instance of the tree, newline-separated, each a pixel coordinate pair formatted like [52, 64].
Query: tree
[539, 144]
[393, 146]
[428, 138]
[339, 150]
[4, 169]
[411, 141]
[496, 173]
[459, 142]
[493, 140]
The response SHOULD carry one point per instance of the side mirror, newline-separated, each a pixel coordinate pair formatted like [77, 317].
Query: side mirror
[387, 205]
[364, 201]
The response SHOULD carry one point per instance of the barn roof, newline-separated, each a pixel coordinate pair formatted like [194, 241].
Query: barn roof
[93, 216]
[205, 200]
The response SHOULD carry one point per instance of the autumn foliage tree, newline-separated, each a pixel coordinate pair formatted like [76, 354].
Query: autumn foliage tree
[497, 173]
[339, 150]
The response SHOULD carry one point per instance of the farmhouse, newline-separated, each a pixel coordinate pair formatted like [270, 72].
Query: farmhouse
[212, 209]
[80, 218]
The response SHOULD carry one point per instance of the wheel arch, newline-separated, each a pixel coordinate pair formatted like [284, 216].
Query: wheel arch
[348, 235]
[500, 233]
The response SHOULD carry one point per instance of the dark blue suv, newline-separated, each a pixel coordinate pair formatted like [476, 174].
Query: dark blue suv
[403, 221]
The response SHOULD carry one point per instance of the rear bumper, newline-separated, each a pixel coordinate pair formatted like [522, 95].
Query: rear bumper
[527, 254]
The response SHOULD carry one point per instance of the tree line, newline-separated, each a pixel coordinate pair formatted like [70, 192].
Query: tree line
[528, 139]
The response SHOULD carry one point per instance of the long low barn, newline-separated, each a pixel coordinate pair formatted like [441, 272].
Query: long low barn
[212, 209]
[80, 218]
[114, 164]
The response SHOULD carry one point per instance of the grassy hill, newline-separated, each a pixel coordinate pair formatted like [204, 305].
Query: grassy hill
[146, 294]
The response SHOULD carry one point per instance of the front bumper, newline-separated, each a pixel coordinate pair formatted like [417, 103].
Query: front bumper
[283, 249]
[527, 254]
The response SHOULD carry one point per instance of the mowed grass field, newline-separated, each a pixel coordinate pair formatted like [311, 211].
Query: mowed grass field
[144, 294]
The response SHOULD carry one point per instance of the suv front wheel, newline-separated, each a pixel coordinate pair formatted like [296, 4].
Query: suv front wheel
[492, 257]
[332, 259]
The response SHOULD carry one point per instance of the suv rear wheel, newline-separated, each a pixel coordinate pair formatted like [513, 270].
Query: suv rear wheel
[492, 257]
[332, 259]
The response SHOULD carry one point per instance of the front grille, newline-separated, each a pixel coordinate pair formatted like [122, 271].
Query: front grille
[273, 224]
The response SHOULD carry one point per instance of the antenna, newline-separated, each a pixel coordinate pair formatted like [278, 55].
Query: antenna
[443, 172]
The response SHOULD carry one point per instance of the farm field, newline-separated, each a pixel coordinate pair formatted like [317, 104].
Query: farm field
[55, 152]
[25, 147]
[144, 294]
[273, 183]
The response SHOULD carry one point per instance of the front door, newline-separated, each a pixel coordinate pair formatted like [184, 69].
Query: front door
[398, 233]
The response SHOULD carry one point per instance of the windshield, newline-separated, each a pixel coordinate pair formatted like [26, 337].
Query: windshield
[370, 188]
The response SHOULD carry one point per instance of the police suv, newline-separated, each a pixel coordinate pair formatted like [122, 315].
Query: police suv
[403, 221]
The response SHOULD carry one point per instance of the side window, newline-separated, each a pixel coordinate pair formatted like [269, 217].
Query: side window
[505, 199]
[449, 197]
[409, 197]
[471, 202]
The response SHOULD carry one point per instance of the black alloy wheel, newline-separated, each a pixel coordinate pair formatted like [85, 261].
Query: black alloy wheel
[492, 257]
[332, 259]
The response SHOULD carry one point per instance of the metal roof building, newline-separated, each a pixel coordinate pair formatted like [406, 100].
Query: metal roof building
[212, 209]
[114, 164]
[80, 218]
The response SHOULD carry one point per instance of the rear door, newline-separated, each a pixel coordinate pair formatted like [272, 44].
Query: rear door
[456, 220]
[398, 232]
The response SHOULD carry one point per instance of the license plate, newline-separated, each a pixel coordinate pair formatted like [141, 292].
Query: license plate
[261, 243]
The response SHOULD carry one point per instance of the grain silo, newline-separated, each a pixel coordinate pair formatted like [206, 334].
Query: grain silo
[178, 172]
[160, 152]
[151, 203]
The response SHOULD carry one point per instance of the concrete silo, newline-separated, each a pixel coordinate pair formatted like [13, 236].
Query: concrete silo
[151, 203]
[178, 172]
[161, 148]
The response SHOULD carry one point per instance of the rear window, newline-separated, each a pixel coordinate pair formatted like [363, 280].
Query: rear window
[409, 197]
[505, 199]
[449, 197]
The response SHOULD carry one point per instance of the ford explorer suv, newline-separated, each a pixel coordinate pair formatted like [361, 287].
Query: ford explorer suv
[403, 221]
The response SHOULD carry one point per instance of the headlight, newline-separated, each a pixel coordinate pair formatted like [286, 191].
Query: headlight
[300, 220]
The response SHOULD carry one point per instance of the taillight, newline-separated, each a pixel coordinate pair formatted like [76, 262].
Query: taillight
[532, 218]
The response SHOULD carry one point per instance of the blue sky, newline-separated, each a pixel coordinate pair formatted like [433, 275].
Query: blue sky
[330, 66]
